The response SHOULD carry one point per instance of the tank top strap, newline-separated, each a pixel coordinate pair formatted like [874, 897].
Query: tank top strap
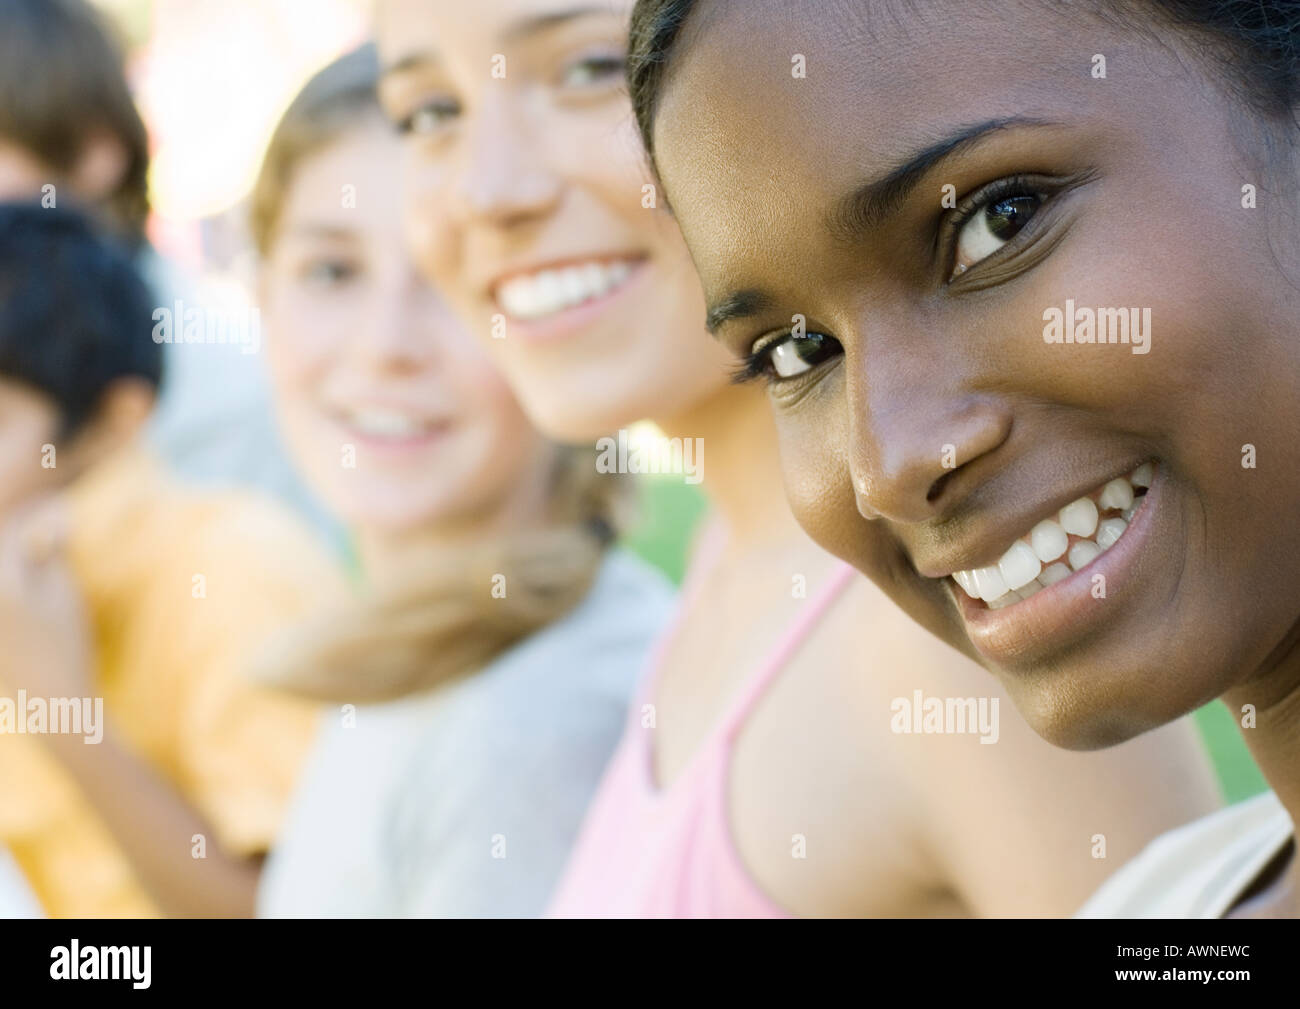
[795, 634]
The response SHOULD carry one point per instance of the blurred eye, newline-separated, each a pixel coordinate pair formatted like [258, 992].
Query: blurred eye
[592, 70]
[993, 223]
[428, 117]
[329, 272]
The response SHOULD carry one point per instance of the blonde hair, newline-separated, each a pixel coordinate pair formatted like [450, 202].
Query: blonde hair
[438, 617]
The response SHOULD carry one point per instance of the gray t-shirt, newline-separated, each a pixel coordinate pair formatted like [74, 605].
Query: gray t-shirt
[464, 801]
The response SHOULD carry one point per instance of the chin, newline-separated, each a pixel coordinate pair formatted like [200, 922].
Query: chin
[557, 419]
[1076, 709]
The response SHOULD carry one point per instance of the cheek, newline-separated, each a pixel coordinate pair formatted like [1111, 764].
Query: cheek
[617, 176]
[22, 474]
[306, 339]
[492, 406]
[817, 481]
[424, 213]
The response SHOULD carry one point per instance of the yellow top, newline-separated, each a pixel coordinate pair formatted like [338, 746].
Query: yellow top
[180, 588]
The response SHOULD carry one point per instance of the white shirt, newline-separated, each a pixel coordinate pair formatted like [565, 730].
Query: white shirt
[1200, 870]
[464, 801]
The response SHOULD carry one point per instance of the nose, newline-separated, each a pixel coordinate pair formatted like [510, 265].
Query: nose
[911, 431]
[396, 335]
[503, 177]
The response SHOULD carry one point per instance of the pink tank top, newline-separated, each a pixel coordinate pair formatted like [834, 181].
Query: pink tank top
[646, 852]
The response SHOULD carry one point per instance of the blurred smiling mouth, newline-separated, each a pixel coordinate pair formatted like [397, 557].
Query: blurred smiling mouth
[1057, 547]
[546, 293]
[387, 426]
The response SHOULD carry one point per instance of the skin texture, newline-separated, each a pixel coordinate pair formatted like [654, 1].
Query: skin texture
[353, 326]
[895, 825]
[1144, 173]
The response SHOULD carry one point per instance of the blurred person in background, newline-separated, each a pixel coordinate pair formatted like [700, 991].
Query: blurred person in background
[480, 672]
[119, 586]
[70, 133]
[758, 775]
[16, 897]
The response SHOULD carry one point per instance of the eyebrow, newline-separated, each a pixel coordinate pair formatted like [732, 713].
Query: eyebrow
[872, 203]
[523, 28]
[318, 230]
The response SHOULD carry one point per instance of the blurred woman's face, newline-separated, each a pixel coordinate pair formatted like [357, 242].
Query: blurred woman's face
[1047, 392]
[394, 415]
[29, 421]
[526, 203]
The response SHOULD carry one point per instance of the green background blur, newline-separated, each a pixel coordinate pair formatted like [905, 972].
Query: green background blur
[670, 510]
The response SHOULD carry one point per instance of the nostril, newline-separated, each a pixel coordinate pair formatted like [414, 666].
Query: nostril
[937, 487]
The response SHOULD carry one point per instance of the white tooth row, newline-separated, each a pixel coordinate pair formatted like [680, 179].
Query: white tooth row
[1040, 559]
[550, 291]
[385, 423]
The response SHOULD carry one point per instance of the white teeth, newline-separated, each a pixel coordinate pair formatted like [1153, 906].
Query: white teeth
[1109, 531]
[1116, 495]
[1020, 572]
[989, 583]
[573, 284]
[549, 291]
[1079, 517]
[385, 423]
[1019, 565]
[1048, 540]
[1029, 590]
[967, 582]
[1082, 553]
[1053, 574]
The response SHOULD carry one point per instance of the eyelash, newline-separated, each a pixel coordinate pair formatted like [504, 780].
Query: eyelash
[602, 67]
[969, 206]
[754, 365]
[445, 109]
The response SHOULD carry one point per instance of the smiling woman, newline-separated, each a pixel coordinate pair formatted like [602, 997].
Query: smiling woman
[767, 709]
[929, 433]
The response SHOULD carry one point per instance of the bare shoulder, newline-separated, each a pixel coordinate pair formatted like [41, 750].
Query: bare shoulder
[923, 791]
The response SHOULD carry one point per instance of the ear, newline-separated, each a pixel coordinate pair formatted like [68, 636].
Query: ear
[123, 410]
[100, 167]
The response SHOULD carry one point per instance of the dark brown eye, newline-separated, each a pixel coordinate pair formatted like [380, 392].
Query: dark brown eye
[991, 227]
[793, 355]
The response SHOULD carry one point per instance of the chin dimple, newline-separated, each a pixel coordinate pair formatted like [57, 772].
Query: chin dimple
[1057, 547]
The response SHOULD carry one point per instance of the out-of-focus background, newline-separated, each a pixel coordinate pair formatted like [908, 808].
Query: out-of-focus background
[211, 78]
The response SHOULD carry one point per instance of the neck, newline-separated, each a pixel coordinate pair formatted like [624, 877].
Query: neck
[1272, 737]
[742, 466]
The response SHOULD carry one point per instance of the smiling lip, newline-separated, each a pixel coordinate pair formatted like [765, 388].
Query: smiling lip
[1034, 628]
[563, 321]
[388, 431]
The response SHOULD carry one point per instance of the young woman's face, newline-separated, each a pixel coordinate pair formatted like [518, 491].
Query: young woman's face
[391, 410]
[927, 424]
[526, 205]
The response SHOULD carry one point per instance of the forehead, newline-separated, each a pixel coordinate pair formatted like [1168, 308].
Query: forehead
[741, 138]
[444, 27]
[352, 180]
